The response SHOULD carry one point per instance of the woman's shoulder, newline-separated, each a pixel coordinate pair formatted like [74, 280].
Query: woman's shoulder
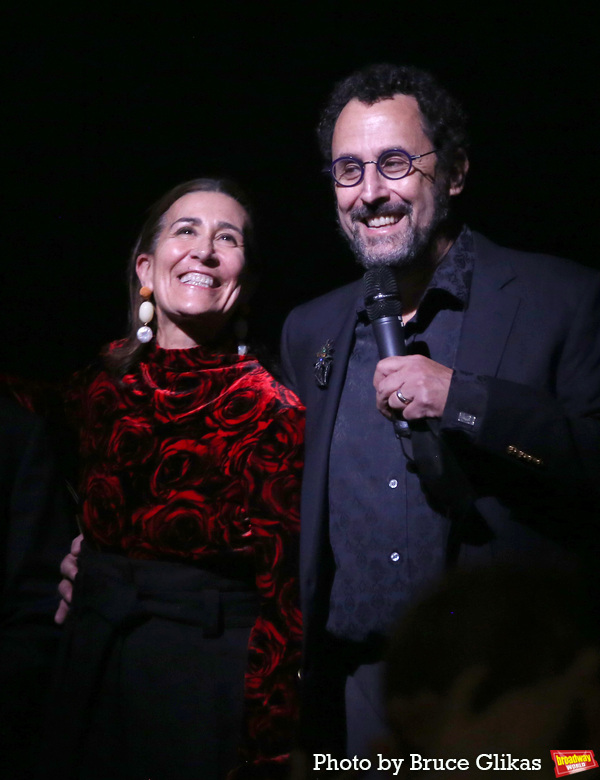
[93, 381]
[271, 385]
[81, 381]
[269, 368]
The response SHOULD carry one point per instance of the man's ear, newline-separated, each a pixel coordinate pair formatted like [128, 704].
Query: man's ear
[143, 268]
[459, 171]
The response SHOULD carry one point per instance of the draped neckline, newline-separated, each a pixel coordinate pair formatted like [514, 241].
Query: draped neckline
[179, 371]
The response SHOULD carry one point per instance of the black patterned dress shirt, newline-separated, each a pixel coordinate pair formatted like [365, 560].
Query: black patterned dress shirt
[387, 542]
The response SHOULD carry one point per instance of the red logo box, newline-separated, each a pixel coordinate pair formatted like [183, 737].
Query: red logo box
[568, 762]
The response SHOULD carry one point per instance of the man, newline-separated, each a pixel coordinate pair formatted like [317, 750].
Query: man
[503, 360]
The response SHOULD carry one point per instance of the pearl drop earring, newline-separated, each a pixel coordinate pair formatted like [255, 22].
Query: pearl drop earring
[146, 313]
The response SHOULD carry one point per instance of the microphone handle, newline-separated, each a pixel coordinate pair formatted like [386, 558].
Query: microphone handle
[389, 335]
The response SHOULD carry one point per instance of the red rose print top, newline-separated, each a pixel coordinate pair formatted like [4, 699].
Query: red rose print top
[197, 456]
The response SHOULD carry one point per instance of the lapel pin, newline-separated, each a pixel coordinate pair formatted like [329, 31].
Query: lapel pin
[324, 363]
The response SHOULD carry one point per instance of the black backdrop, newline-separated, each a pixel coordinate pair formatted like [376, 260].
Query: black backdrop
[105, 109]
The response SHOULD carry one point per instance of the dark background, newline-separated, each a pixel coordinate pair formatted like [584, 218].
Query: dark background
[106, 109]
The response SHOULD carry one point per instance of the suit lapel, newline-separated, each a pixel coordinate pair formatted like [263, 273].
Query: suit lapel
[491, 311]
[337, 326]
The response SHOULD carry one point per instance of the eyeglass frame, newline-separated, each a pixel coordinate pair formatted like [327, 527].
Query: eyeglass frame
[376, 162]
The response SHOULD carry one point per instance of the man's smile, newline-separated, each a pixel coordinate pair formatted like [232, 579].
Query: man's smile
[378, 222]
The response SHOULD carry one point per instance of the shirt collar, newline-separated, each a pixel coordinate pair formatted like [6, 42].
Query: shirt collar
[453, 274]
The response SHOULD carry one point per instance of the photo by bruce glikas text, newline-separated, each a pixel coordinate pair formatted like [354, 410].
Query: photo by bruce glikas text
[415, 762]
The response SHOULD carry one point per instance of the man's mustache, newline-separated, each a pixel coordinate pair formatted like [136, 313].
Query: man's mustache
[362, 213]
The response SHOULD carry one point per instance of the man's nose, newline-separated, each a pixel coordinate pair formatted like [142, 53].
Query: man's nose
[374, 186]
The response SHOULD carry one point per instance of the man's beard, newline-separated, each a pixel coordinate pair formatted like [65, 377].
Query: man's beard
[397, 251]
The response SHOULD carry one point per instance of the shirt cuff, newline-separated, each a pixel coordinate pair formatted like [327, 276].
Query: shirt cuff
[466, 404]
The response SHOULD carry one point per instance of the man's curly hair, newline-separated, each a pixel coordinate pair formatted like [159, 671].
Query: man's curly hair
[444, 120]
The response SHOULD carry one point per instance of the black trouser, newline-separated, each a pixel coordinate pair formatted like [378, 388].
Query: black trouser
[342, 706]
[150, 683]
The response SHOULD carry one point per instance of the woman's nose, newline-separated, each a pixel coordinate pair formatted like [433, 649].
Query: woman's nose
[204, 249]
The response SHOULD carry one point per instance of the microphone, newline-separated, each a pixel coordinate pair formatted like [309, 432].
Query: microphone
[384, 310]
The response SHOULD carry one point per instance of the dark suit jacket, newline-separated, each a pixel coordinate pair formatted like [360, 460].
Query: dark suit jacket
[528, 367]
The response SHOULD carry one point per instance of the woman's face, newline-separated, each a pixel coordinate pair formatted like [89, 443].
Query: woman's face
[196, 269]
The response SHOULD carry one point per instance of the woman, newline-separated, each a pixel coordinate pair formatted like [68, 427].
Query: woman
[184, 623]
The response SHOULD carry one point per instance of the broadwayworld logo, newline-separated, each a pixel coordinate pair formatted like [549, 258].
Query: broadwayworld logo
[568, 762]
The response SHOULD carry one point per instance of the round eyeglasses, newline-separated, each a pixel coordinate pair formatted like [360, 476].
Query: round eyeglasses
[393, 164]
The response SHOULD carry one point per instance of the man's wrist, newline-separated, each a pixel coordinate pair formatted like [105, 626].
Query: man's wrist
[466, 404]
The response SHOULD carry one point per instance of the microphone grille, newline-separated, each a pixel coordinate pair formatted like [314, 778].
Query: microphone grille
[382, 298]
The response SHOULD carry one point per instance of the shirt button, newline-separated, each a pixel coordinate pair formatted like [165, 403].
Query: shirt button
[393, 483]
[395, 557]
